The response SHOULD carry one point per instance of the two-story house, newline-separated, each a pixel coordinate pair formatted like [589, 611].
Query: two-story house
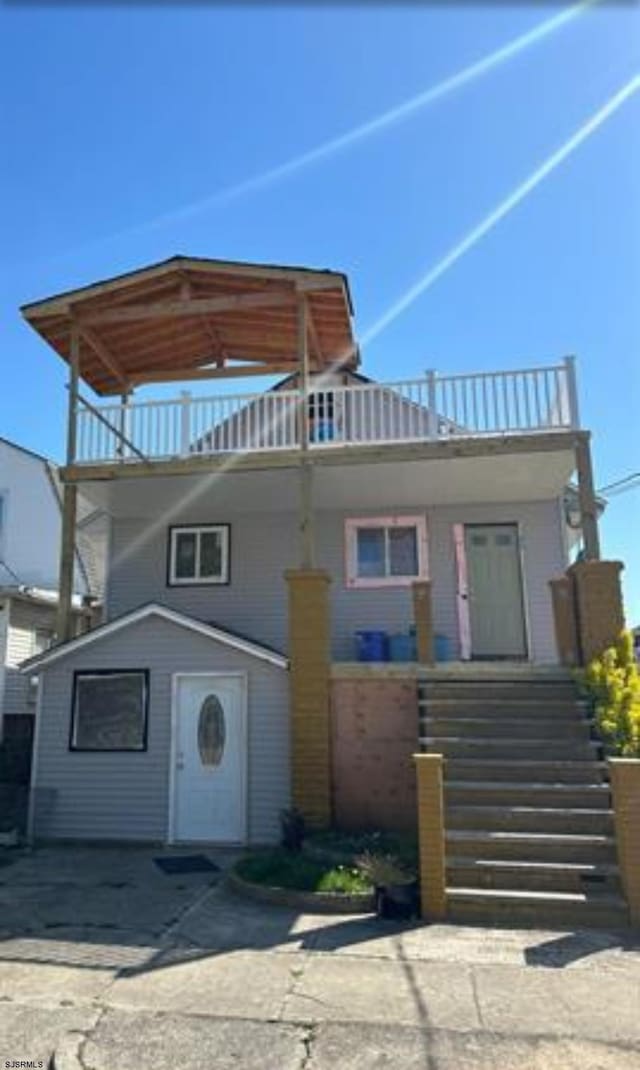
[252, 536]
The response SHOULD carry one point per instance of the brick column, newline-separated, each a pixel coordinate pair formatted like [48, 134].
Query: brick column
[423, 620]
[598, 601]
[431, 845]
[310, 657]
[564, 619]
[625, 788]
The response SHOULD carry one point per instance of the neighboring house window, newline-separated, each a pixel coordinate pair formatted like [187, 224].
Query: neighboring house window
[199, 554]
[109, 710]
[386, 551]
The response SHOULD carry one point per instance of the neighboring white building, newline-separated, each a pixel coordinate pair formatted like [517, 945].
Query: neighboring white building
[29, 561]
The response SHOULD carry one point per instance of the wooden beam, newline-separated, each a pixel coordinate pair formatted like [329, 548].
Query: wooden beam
[101, 352]
[228, 372]
[440, 450]
[67, 562]
[307, 554]
[587, 497]
[193, 307]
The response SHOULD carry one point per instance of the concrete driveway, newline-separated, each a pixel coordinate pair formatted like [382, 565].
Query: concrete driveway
[108, 963]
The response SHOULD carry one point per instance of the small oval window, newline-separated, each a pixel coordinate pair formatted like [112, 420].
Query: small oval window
[211, 731]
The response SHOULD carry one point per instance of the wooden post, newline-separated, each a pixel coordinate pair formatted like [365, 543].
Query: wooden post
[423, 620]
[307, 550]
[431, 844]
[69, 503]
[587, 496]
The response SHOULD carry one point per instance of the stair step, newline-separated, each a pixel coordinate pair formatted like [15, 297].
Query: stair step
[536, 846]
[506, 906]
[547, 770]
[466, 746]
[530, 819]
[498, 708]
[532, 875]
[506, 729]
[490, 690]
[510, 793]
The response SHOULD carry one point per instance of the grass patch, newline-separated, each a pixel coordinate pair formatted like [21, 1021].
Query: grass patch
[282, 869]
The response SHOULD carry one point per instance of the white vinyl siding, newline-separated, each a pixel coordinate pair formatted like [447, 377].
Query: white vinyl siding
[27, 626]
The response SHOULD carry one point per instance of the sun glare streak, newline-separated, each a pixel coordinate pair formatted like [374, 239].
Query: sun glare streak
[387, 118]
[208, 482]
[502, 210]
[359, 133]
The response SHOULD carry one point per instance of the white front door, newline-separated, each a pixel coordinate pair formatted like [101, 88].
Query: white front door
[496, 606]
[209, 755]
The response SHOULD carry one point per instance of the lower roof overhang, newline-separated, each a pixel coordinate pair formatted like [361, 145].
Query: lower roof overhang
[499, 469]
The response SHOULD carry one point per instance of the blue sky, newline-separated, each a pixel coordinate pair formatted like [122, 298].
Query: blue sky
[115, 117]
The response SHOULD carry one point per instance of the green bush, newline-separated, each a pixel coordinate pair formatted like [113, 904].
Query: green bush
[278, 868]
[613, 682]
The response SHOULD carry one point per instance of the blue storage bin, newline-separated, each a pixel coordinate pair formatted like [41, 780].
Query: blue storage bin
[402, 647]
[442, 647]
[372, 646]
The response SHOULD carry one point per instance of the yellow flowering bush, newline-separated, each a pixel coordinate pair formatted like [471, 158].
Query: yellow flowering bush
[613, 682]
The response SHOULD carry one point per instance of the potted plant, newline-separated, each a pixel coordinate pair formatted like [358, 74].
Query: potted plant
[396, 889]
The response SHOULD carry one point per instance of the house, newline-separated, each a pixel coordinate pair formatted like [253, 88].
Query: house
[252, 535]
[30, 526]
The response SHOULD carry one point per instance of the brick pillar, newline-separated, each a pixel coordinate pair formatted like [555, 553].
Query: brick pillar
[423, 620]
[598, 601]
[310, 662]
[625, 788]
[564, 619]
[431, 845]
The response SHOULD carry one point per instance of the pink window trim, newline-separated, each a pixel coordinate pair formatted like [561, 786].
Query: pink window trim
[355, 582]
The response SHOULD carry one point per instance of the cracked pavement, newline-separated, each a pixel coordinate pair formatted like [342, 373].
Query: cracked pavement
[108, 963]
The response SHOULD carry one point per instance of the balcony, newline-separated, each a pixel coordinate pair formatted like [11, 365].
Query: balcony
[524, 402]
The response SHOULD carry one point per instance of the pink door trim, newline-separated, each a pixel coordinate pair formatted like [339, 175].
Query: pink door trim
[462, 592]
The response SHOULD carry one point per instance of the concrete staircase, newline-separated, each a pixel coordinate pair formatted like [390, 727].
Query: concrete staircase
[529, 831]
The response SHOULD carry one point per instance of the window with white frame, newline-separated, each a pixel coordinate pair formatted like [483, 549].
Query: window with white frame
[198, 554]
[385, 551]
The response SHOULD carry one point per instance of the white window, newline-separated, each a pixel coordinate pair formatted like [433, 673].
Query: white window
[386, 551]
[199, 554]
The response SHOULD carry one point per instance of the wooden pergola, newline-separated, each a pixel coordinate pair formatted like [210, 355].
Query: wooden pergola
[187, 319]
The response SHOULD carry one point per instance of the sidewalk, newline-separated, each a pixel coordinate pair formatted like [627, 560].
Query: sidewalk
[136, 969]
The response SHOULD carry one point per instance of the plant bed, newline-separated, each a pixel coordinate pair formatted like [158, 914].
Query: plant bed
[345, 847]
[297, 880]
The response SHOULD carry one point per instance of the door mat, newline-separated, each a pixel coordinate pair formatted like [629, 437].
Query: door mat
[186, 864]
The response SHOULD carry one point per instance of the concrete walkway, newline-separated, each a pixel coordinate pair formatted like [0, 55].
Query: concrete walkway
[109, 963]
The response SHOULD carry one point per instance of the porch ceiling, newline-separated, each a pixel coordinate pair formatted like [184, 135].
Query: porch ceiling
[518, 477]
[188, 318]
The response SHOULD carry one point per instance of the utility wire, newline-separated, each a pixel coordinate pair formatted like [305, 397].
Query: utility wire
[620, 486]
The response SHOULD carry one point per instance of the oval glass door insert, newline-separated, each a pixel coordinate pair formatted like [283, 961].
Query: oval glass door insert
[211, 732]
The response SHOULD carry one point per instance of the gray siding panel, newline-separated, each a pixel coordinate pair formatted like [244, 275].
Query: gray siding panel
[126, 795]
[263, 546]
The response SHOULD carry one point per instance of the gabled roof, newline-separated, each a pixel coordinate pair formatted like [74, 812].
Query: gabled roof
[154, 609]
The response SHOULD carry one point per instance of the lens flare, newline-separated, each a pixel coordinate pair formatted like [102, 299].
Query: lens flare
[502, 210]
[359, 133]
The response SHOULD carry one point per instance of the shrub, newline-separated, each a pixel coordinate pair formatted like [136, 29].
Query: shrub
[613, 681]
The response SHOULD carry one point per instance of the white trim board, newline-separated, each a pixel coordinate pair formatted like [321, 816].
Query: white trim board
[153, 609]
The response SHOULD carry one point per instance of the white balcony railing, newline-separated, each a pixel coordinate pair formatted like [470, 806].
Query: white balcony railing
[528, 401]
